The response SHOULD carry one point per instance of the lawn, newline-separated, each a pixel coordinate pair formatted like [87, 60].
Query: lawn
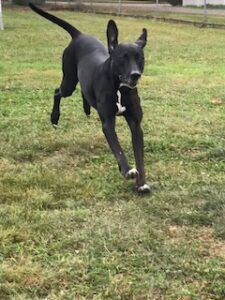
[70, 226]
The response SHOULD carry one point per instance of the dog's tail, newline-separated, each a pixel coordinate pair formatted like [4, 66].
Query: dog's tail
[68, 27]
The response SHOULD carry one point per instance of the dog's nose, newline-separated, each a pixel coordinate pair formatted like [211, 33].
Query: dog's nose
[135, 76]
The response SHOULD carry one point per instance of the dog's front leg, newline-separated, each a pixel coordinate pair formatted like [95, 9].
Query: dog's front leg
[138, 147]
[108, 127]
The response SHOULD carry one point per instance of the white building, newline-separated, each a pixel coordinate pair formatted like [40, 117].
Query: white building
[201, 2]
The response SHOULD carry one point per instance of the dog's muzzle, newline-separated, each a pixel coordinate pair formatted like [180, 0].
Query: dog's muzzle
[128, 85]
[130, 82]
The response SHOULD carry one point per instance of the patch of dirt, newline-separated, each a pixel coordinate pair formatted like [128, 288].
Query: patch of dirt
[59, 159]
[216, 101]
[205, 235]
[6, 165]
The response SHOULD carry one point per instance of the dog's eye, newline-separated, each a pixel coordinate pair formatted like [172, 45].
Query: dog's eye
[137, 56]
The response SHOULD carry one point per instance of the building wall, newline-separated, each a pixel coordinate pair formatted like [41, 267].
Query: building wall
[201, 2]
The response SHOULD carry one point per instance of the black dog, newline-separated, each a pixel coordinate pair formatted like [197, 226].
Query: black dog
[108, 83]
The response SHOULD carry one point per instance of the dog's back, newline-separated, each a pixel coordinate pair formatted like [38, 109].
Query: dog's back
[84, 51]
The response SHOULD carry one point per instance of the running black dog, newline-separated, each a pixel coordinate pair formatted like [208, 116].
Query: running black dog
[108, 81]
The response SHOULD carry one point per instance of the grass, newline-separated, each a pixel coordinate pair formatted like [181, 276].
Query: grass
[70, 226]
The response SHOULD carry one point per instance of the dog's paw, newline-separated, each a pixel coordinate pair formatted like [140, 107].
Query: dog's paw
[144, 189]
[54, 119]
[55, 126]
[131, 174]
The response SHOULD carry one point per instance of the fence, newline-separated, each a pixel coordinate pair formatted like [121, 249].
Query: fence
[112, 6]
[152, 9]
[156, 9]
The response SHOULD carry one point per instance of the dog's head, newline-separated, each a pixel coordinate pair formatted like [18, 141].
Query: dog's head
[127, 58]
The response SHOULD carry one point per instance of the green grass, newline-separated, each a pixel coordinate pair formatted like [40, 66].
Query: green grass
[70, 226]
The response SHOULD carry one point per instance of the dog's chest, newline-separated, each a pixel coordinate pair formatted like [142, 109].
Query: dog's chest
[120, 108]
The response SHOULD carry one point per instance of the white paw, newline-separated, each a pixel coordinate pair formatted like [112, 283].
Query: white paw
[132, 173]
[144, 188]
[54, 126]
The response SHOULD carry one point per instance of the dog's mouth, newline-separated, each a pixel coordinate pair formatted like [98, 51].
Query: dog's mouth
[131, 84]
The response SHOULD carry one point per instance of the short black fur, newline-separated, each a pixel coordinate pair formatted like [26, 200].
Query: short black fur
[108, 80]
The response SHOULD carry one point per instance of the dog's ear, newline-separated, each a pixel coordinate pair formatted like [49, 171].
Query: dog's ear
[112, 35]
[142, 40]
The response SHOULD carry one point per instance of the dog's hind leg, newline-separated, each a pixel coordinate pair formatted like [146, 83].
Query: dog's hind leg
[66, 89]
[56, 108]
[86, 106]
